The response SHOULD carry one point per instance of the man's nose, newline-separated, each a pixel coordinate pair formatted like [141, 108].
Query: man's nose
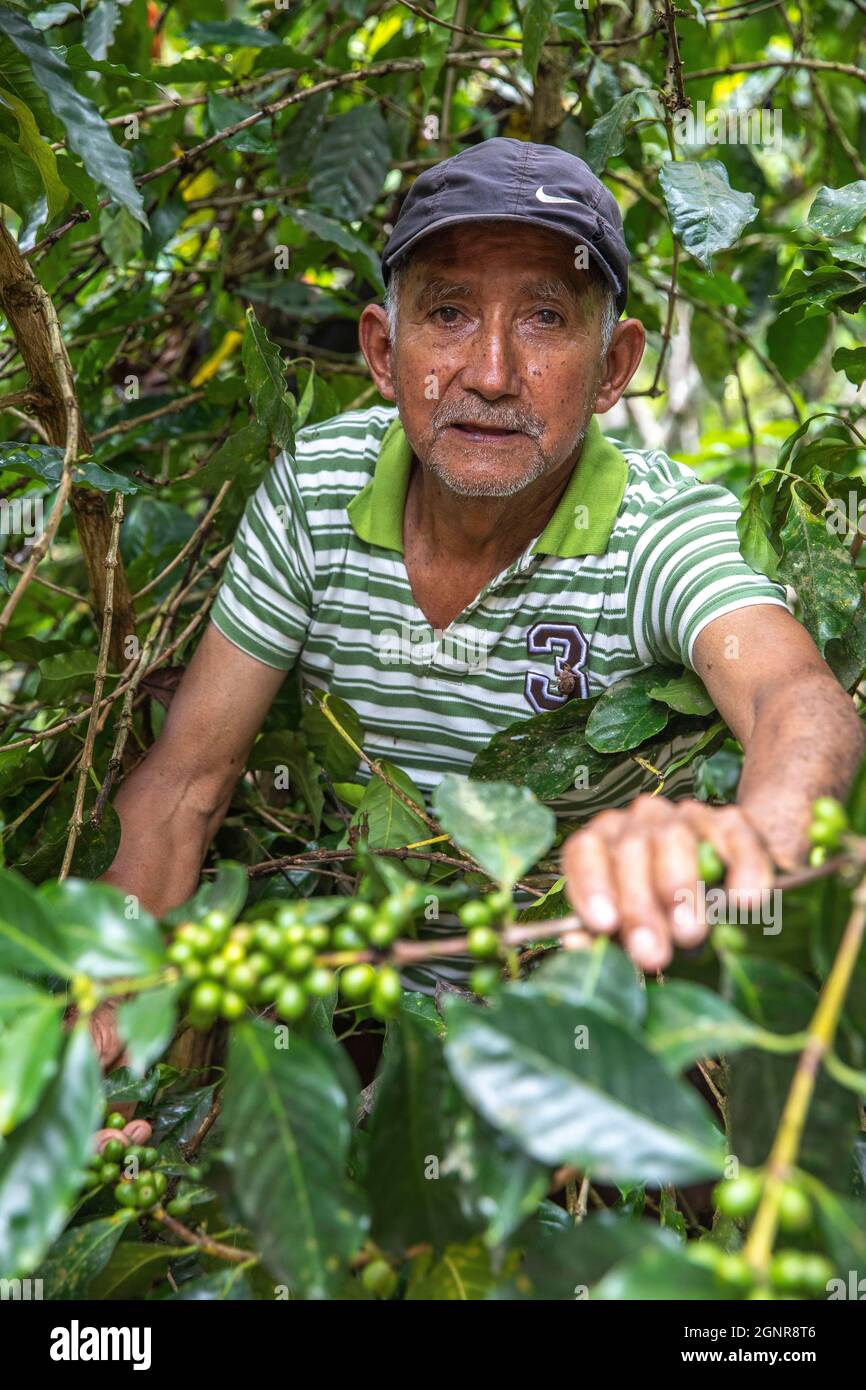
[491, 367]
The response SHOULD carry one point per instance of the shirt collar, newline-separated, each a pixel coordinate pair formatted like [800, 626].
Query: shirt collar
[581, 524]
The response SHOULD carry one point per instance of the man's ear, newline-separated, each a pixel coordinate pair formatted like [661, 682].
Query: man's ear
[375, 340]
[623, 359]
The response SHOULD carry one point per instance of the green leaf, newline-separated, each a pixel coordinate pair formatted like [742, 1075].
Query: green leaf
[499, 1186]
[147, 1023]
[753, 533]
[819, 567]
[227, 892]
[242, 459]
[707, 215]
[838, 210]
[38, 150]
[465, 1273]
[98, 937]
[232, 33]
[29, 1048]
[851, 361]
[131, 1270]
[94, 851]
[288, 750]
[20, 183]
[265, 373]
[67, 673]
[602, 976]
[333, 752]
[625, 715]
[794, 340]
[537, 19]
[390, 823]
[40, 1165]
[45, 461]
[29, 940]
[607, 1106]
[565, 1262]
[685, 1021]
[224, 111]
[504, 828]
[121, 235]
[546, 752]
[287, 1128]
[224, 1285]
[18, 996]
[412, 1199]
[606, 138]
[79, 1256]
[661, 1274]
[686, 694]
[86, 131]
[361, 256]
[352, 160]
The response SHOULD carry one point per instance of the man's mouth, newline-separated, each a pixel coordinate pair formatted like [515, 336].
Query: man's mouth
[484, 434]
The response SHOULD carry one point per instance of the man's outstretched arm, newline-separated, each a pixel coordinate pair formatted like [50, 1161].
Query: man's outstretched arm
[172, 805]
[634, 871]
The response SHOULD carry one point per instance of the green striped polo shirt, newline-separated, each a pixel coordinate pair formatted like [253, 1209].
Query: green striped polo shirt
[636, 560]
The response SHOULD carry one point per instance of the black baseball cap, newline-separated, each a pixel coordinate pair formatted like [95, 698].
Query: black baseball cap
[503, 180]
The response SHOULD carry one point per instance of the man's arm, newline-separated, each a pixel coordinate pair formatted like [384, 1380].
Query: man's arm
[174, 802]
[632, 871]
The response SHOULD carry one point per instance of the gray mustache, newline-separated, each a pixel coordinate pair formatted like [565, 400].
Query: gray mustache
[500, 419]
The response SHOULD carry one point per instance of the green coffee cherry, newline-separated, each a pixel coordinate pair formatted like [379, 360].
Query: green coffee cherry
[320, 982]
[500, 903]
[360, 915]
[387, 992]
[729, 938]
[475, 914]
[319, 936]
[292, 1001]
[346, 938]
[113, 1151]
[795, 1210]
[710, 867]
[485, 979]
[382, 933]
[483, 943]
[356, 982]
[115, 1120]
[299, 959]
[178, 1207]
[125, 1195]
[233, 1006]
[738, 1197]
[829, 822]
[216, 919]
[379, 1279]
[268, 989]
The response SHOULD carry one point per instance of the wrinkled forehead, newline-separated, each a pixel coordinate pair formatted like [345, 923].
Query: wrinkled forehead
[494, 254]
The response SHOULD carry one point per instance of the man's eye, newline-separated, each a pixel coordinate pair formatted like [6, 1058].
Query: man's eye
[444, 313]
[548, 318]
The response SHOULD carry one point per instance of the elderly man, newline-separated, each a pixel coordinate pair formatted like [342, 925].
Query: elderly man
[488, 524]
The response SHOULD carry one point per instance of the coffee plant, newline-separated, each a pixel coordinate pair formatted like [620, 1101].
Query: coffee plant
[192, 202]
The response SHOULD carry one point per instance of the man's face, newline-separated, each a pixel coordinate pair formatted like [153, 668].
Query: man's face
[497, 357]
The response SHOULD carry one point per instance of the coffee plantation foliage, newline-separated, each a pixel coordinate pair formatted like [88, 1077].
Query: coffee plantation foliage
[193, 199]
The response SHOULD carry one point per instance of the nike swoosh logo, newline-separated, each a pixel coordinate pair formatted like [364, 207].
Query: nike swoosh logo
[550, 198]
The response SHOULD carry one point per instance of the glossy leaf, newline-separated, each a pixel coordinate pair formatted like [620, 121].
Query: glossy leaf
[41, 1161]
[287, 1130]
[626, 714]
[609, 1106]
[99, 938]
[707, 214]
[29, 1051]
[503, 827]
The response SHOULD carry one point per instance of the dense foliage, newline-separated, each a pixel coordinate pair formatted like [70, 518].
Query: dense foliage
[192, 206]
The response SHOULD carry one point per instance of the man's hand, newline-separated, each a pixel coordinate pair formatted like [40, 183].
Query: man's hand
[635, 872]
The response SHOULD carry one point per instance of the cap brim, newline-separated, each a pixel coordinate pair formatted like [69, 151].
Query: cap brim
[544, 223]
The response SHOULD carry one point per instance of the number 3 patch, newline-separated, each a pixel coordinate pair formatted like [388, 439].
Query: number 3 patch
[569, 647]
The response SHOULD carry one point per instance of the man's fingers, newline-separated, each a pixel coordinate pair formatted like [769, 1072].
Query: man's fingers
[675, 871]
[137, 1132]
[645, 932]
[749, 867]
[589, 880]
